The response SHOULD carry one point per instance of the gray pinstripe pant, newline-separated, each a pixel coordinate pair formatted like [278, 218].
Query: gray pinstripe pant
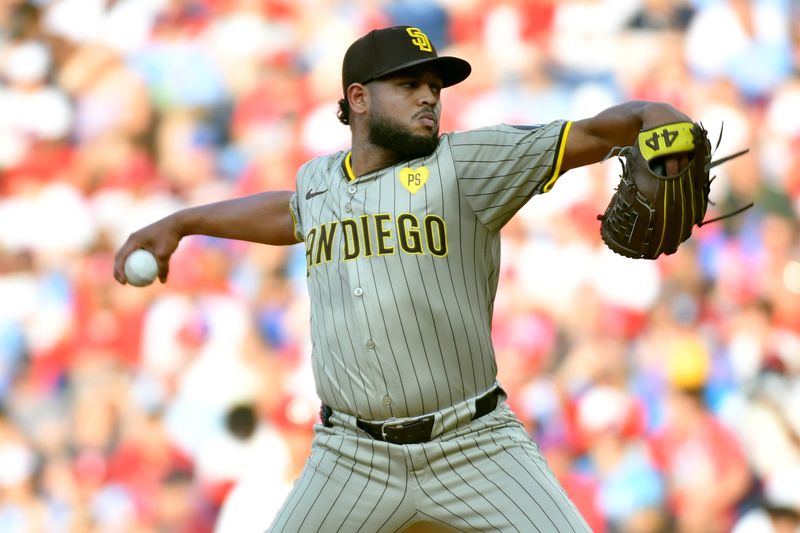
[485, 476]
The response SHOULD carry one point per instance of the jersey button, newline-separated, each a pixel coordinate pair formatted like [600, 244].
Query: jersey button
[346, 208]
[351, 189]
[370, 344]
[387, 400]
[358, 291]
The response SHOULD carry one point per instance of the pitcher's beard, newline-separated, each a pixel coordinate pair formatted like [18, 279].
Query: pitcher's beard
[389, 134]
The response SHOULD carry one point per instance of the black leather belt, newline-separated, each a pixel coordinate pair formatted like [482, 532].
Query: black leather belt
[418, 429]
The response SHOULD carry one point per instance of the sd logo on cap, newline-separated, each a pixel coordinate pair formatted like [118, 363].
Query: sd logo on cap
[389, 50]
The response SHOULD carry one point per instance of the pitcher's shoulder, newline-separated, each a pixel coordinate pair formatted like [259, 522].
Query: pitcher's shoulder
[487, 134]
[324, 164]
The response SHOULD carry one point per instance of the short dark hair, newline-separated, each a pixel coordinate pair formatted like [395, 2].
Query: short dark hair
[343, 114]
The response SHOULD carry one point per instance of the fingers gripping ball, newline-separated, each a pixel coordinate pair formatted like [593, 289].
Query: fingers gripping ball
[141, 268]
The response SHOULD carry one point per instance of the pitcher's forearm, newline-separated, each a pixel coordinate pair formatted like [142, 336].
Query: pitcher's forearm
[591, 139]
[263, 218]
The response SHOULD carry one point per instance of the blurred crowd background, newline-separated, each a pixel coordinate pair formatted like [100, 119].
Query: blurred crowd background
[665, 394]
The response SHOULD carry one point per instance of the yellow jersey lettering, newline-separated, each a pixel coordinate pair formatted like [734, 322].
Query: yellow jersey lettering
[366, 235]
[371, 235]
[436, 235]
[310, 238]
[408, 235]
[325, 244]
[383, 234]
[350, 239]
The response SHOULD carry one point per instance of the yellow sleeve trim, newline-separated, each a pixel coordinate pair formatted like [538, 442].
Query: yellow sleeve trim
[294, 224]
[666, 139]
[559, 158]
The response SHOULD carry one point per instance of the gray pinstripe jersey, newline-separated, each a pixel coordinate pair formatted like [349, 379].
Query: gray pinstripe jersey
[403, 266]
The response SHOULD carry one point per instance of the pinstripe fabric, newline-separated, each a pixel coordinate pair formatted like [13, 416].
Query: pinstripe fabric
[501, 167]
[485, 477]
[402, 284]
[402, 274]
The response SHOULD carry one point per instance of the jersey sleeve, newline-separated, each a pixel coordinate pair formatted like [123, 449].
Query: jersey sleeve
[295, 211]
[308, 177]
[499, 168]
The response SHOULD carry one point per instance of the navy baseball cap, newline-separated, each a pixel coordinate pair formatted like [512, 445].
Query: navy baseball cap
[388, 50]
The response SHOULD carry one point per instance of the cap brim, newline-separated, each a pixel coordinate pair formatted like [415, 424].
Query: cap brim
[453, 69]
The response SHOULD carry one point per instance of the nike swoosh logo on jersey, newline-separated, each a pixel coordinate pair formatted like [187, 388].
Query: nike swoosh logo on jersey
[312, 194]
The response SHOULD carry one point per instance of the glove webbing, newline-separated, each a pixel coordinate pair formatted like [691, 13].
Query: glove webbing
[719, 162]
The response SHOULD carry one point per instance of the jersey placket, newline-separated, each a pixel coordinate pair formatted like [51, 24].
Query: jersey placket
[366, 298]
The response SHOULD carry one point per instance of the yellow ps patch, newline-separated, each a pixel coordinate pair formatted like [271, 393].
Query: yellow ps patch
[413, 179]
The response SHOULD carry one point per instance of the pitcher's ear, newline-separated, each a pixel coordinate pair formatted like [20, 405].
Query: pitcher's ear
[358, 98]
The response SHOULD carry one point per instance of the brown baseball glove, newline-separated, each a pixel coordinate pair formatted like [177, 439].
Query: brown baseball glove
[652, 213]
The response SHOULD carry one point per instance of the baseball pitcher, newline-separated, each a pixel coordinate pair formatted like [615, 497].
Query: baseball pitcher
[402, 244]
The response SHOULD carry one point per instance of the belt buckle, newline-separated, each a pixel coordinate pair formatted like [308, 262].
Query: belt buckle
[400, 424]
[395, 423]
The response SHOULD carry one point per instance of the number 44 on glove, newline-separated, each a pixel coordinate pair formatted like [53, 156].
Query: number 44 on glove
[651, 212]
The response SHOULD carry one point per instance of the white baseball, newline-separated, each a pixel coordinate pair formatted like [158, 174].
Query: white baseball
[141, 268]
